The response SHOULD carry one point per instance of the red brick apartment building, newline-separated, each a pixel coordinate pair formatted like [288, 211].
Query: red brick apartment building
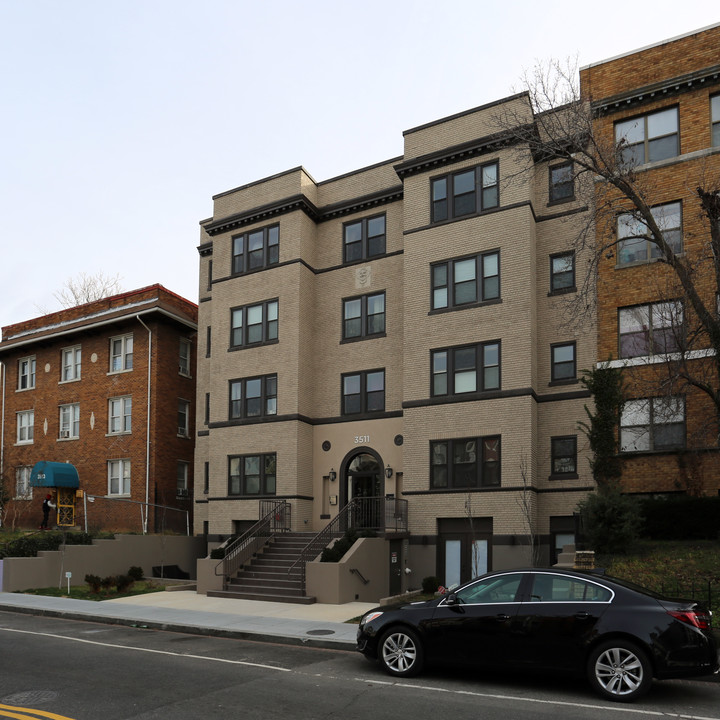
[664, 102]
[109, 387]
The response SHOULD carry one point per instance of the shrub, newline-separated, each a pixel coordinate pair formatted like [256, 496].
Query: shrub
[681, 517]
[123, 582]
[430, 584]
[337, 550]
[217, 553]
[94, 582]
[611, 520]
[136, 573]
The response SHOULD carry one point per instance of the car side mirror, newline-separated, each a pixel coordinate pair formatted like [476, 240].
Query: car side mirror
[451, 599]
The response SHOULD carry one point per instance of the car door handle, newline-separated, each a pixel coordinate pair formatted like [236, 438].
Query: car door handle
[582, 615]
[502, 617]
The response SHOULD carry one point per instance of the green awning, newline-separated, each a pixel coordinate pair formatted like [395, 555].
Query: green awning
[54, 475]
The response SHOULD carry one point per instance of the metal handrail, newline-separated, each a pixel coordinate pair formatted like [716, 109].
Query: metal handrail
[276, 516]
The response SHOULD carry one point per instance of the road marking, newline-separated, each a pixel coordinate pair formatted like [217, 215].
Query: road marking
[19, 716]
[148, 650]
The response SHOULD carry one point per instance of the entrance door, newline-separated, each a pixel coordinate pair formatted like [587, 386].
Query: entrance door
[365, 483]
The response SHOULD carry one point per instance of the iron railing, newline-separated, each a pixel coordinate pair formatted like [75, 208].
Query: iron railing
[275, 517]
[372, 514]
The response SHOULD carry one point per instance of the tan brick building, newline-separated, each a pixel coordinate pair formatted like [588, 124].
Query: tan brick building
[664, 102]
[396, 332]
[108, 386]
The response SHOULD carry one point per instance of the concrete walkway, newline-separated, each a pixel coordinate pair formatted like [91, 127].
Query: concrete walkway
[185, 611]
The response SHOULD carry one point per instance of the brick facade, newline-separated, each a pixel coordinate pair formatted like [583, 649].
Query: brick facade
[91, 445]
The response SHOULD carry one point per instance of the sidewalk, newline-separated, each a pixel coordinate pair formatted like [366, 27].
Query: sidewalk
[316, 625]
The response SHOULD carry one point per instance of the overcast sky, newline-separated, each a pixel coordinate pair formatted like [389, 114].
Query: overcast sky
[122, 118]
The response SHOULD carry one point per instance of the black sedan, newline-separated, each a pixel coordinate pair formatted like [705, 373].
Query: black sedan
[619, 634]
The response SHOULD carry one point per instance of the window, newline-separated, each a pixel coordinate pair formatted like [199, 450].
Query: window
[502, 589]
[563, 361]
[69, 421]
[562, 186]
[26, 373]
[551, 588]
[25, 426]
[465, 281]
[71, 364]
[364, 238]
[253, 397]
[465, 193]
[184, 357]
[256, 249]
[363, 392]
[364, 316]
[648, 138]
[652, 424]
[465, 463]
[183, 418]
[634, 244]
[650, 329]
[121, 353]
[252, 474]
[206, 478]
[23, 488]
[562, 272]
[564, 456]
[208, 341]
[254, 324]
[119, 477]
[467, 369]
[182, 479]
[120, 415]
[715, 119]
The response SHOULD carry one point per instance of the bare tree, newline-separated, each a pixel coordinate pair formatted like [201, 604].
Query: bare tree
[525, 501]
[556, 123]
[85, 288]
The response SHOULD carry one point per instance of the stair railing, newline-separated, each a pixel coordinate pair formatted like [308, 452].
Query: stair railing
[275, 517]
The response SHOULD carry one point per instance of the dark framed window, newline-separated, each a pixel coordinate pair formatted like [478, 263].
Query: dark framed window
[252, 474]
[648, 138]
[466, 280]
[562, 272]
[562, 182]
[254, 324]
[564, 456]
[715, 119]
[183, 416]
[364, 238]
[634, 243]
[563, 361]
[652, 424]
[465, 463]
[363, 392]
[255, 249]
[253, 397]
[467, 192]
[466, 369]
[206, 478]
[364, 316]
[652, 329]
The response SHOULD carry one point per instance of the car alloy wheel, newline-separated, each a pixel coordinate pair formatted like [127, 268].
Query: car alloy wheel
[620, 671]
[401, 652]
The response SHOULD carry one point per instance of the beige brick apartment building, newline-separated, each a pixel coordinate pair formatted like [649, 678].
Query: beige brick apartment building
[664, 101]
[80, 386]
[396, 332]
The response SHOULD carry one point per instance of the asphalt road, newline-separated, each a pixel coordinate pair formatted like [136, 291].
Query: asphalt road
[86, 671]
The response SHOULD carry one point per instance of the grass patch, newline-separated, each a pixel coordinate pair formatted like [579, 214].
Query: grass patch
[84, 592]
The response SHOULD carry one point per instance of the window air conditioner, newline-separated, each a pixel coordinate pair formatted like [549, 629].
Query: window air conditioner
[64, 433]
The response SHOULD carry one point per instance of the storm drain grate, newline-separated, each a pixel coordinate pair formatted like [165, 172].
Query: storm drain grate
[320, 632]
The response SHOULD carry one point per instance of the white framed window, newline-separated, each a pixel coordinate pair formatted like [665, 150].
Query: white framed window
[71, 363]
[121, 353]
[182, 478]
[634, 239]
[69, 421]
[648, 138]
[183, 418]
[23, 489]
[26, 373]
[25, 427]
[120, 415]
[184, 358]
[118, 477]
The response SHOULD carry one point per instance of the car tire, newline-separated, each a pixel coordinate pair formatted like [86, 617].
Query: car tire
[400, 652]
[619, 670]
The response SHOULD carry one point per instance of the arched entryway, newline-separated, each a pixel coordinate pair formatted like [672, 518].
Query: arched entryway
[362, 476]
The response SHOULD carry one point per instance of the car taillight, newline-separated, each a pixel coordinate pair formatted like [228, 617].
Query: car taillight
[698, 620]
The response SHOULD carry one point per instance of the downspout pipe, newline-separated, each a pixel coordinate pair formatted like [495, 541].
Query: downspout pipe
[147, 431]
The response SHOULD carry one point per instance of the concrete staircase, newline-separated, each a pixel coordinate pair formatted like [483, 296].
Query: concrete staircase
[266, 576]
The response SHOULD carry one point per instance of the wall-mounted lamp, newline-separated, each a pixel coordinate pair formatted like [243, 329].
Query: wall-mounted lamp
[332, 475]
[388, 472]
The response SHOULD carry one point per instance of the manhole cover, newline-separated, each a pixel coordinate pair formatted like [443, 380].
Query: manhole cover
[320, 632]
[30, 697]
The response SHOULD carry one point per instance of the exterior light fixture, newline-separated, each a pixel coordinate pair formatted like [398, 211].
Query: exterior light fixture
[332, 475]
[388, 472]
